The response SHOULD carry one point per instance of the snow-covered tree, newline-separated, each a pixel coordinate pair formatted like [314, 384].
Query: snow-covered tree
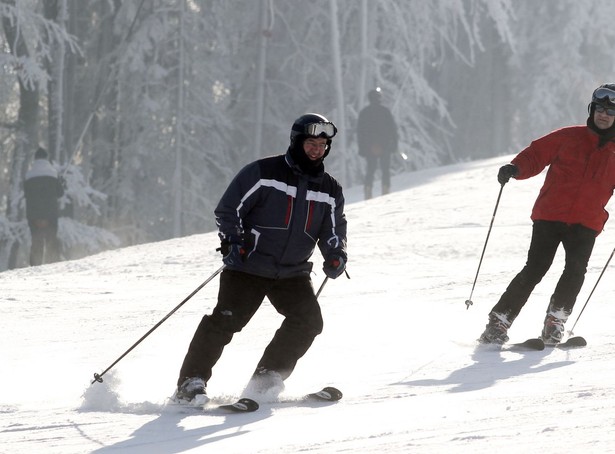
[31, 41]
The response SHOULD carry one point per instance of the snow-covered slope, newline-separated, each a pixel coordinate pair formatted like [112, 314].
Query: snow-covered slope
[398, 341]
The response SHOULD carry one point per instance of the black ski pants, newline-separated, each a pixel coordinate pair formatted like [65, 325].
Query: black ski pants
[239, 298]
[382, 160]
[578, 242]
[45, 244]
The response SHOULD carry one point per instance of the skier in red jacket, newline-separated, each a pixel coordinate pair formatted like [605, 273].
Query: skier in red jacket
[570, 209]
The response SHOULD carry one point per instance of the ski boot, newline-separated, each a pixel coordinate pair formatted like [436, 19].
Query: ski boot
[191, 391]
[496, 330]
[553, 329]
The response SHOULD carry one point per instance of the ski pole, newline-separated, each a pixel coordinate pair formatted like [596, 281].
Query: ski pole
[98, 377]
[469, 300]
[592, 292]
[321, 287]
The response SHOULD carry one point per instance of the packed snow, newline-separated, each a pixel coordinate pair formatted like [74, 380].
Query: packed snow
[398, 341]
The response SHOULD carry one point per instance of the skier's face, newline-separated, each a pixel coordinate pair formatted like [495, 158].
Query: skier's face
[315, 147]
[602, 119]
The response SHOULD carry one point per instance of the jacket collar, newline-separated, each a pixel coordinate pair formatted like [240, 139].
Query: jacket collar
[315, 175]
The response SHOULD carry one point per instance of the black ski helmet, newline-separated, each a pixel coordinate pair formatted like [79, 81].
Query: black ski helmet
[312, 125]
[603, 95]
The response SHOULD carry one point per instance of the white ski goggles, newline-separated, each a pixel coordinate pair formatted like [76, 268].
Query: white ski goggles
[604, 95]
[327, 130]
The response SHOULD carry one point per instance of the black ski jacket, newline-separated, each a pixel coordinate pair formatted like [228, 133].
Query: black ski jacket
[280, 214]
[42, 189]
[376, 127]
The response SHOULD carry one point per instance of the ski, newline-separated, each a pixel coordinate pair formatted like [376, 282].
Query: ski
[572, 342]
[327, 394]
[538, 344]
[533, 343]
[245, 405]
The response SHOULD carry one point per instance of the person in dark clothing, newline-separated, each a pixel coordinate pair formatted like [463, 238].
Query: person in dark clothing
[570, 210]
[43, 188]
[270, 219]
[377, 138]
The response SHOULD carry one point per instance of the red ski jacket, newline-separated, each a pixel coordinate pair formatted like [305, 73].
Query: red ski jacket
[580, 179]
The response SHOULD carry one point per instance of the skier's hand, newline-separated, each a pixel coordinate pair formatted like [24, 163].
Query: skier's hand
[334, 266]
[232, 253]
[506, 172]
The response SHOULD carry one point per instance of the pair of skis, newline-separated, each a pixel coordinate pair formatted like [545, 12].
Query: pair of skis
[246, 405]
[538, 344]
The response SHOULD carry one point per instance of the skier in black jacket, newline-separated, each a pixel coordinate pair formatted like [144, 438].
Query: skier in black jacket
[42, 189]
[270, 219]
[377, 139]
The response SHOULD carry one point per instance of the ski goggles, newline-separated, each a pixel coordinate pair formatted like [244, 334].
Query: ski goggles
[601, 109]
[327, 130]
[604, 95]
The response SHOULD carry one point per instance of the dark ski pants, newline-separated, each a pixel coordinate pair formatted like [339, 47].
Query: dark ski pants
[382, 160]
[578, 242]
[45, 245]
[239, 298]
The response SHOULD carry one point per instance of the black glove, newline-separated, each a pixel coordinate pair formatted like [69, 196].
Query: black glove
[232, 253]
[334, 266]
[507, 171]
